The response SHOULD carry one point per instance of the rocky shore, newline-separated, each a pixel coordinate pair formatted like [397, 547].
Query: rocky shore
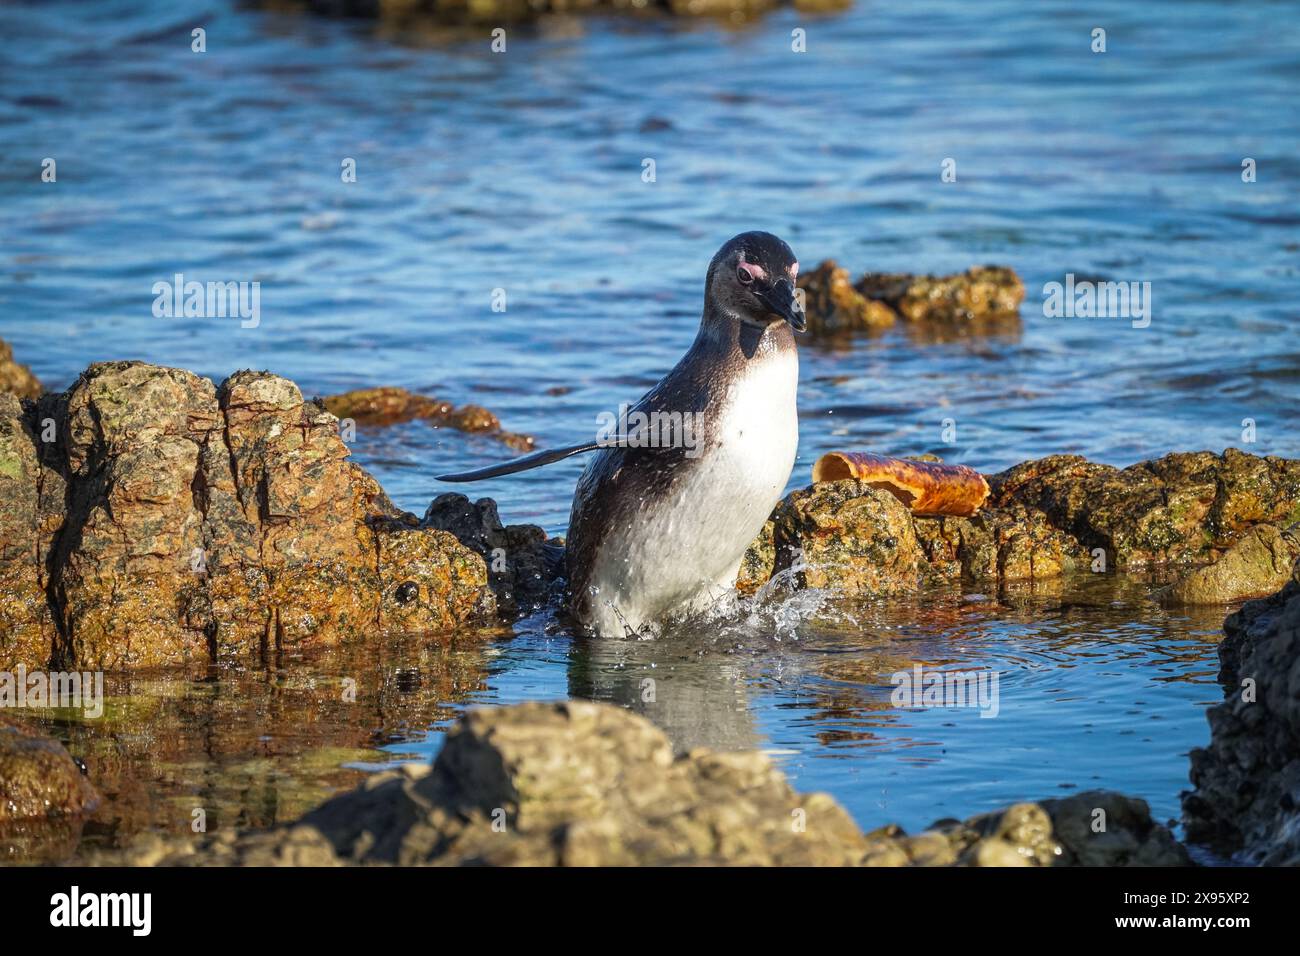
[587, 784]
[150, 517]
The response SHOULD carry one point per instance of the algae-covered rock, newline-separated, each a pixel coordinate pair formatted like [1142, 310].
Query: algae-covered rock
[1258, 564]
[14, 378]
[849, 536]
[1183, 508]
[1214, 519]
[973, 294]
[1246, 800]
[167, 520]
[834, 303]
[45, 797]
[38, 778]
[586, 784]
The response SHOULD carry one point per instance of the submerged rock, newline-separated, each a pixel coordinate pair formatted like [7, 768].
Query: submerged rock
[586, 784]
[164, 519]
[834, 303]
[1246, 800]
[38, 778]
[44, 796]
[391, 405]
[14, 378]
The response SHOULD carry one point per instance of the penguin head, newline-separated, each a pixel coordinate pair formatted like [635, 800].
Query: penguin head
[752, 278]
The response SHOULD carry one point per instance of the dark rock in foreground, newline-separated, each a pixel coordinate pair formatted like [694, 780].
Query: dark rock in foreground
[585, 784]
[1247, 797]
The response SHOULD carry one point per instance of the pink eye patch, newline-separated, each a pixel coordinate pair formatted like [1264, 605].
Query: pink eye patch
[752, 270]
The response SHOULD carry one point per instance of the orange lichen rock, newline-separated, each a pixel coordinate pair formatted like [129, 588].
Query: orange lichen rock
[926, 488]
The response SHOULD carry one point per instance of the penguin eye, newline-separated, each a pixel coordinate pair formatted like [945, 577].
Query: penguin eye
[745, 276]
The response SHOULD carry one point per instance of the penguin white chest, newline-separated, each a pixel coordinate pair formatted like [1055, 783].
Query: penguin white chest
[684, 550]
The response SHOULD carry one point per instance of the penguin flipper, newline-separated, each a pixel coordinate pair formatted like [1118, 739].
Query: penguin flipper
[535, 460]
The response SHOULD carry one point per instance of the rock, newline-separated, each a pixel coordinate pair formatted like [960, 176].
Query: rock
[429, 13]
[384, 406]
[44, 796]
[26, 624]
[847, 536]
[759, 562]
[1103, 828]
[14, 378]
[834, 303]
[169, 520]
[522, 564]
[391, 405]
[1246, 801]
[1214, 519]
[38, 778]
[1257, 565]
[586, 784]
[1180, 509]
[973, 294]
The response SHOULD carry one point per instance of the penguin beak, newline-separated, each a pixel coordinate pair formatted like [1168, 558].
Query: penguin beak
[779, 298]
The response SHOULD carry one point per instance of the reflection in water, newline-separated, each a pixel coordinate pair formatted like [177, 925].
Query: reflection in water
[1098, 685]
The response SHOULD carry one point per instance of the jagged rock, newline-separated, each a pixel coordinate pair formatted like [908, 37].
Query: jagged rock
[14, 378]
[170, 520]
[586, 784]
[1183, 508]
[522, 564]
[391, 405]
[1246, 800]
[26, 625]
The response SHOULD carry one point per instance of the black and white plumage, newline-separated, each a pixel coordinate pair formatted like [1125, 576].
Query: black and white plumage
[656, 531]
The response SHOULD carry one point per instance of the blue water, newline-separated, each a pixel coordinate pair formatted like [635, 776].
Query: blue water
[522, 171]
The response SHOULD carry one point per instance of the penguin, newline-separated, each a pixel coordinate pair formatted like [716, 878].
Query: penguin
[668, 504]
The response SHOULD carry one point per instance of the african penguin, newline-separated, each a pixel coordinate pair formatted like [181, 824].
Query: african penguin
[664, 512]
